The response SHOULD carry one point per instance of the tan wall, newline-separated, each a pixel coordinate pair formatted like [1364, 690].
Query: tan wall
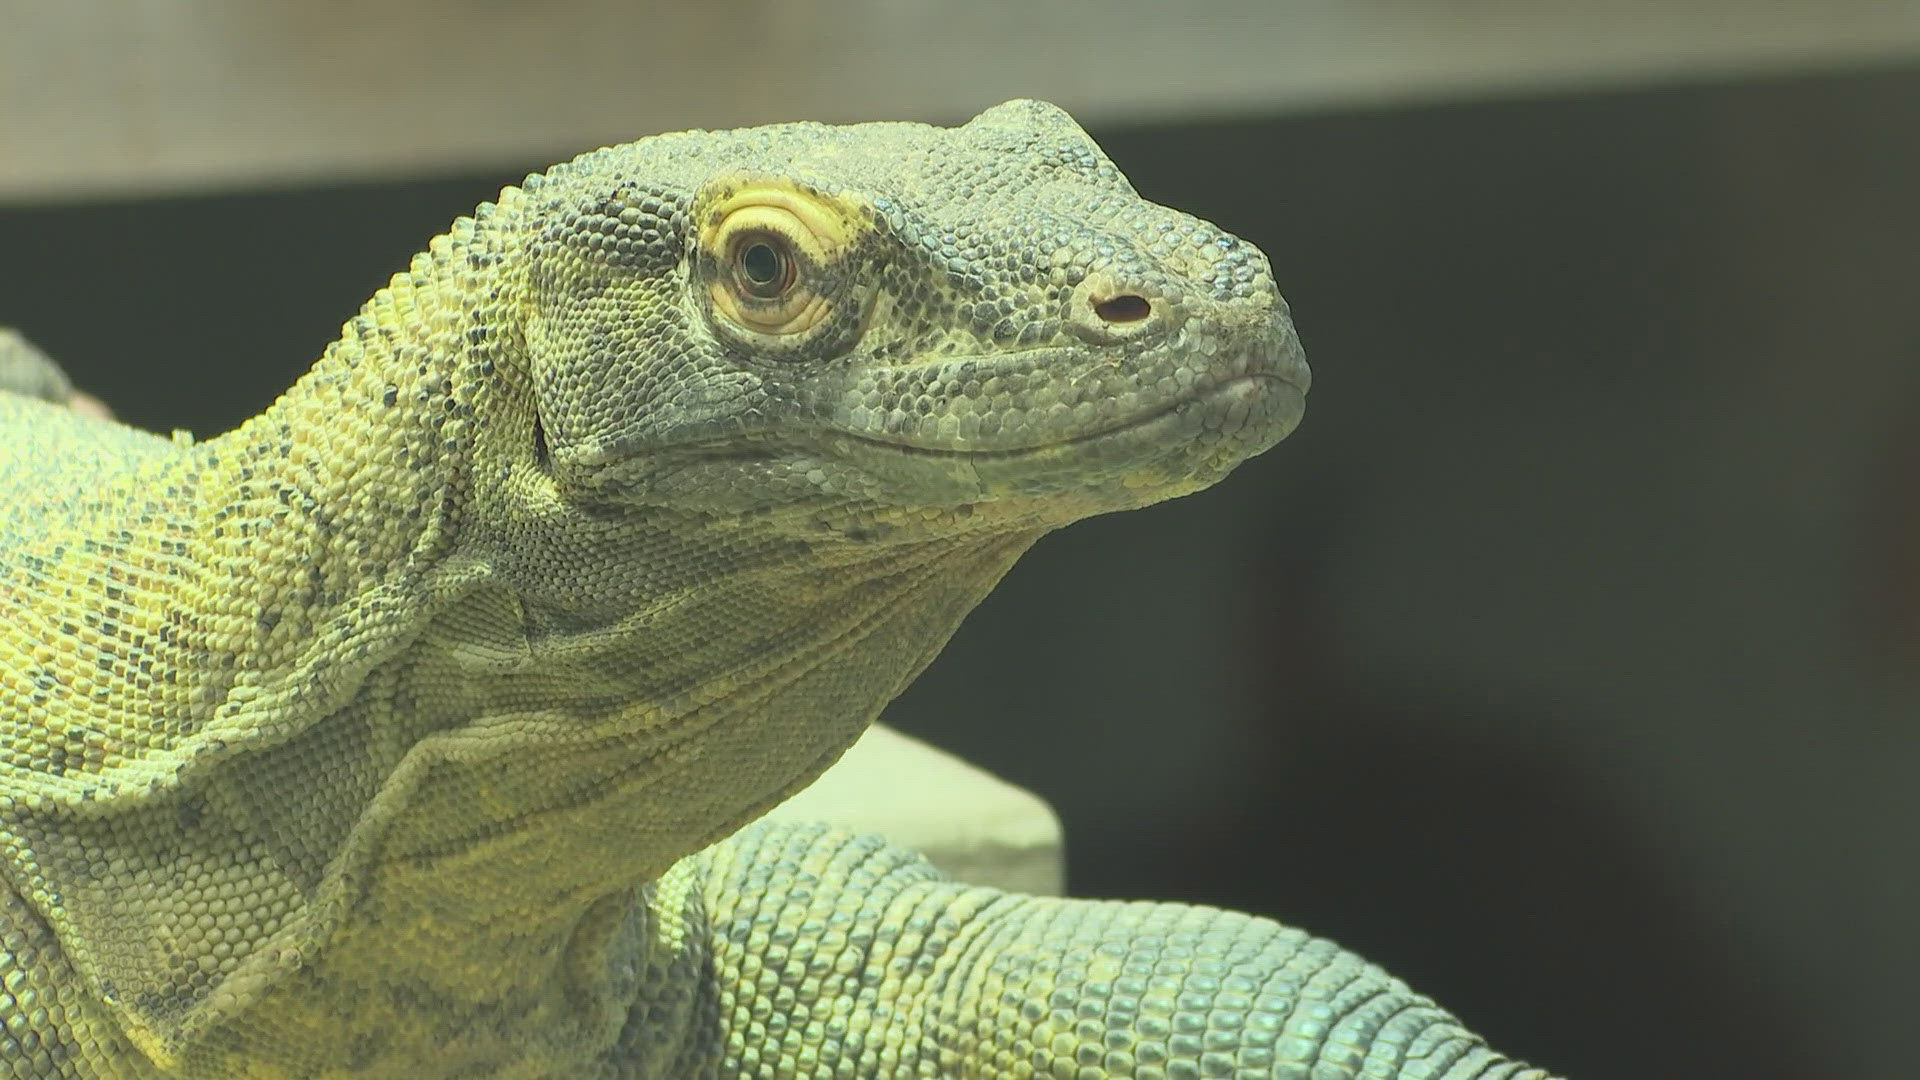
[120, 96]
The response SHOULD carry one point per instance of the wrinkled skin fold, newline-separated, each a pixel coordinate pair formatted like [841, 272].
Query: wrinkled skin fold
[410, 728]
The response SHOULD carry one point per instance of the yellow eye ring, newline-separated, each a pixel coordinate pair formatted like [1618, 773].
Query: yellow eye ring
[767, 246]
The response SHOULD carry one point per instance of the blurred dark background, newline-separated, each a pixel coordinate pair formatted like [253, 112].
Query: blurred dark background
[1561, 661]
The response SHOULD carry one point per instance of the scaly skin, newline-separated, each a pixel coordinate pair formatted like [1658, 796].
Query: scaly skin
[392, 732]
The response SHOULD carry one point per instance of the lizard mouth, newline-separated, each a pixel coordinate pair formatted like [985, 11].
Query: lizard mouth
[1198, 388]
[1245, 393]
[1176, 445]
[1055, 434]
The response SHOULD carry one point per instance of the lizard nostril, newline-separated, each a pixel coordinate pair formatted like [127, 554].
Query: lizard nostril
[1123, 309]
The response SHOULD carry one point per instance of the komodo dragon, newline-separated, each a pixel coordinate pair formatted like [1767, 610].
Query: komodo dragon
[392, 733]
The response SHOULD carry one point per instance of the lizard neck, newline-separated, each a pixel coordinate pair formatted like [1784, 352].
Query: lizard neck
[712, 671]
[258, 592]
[577, 750]
[323, 530]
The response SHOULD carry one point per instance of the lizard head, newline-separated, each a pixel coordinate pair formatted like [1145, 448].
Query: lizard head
[893, 318]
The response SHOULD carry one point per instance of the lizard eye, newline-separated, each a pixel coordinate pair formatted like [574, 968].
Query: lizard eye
[763, 266]
[760, 283]
[768, 256]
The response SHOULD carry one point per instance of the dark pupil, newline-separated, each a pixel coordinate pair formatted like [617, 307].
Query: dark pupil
[762, 265]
